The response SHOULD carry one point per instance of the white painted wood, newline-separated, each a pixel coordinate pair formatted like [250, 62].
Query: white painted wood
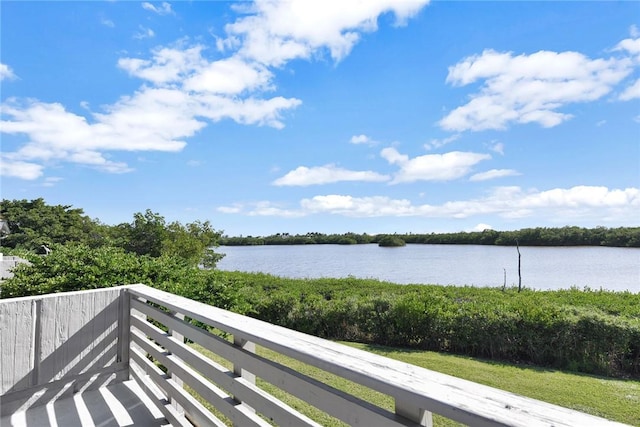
[58, 344]
[55, 345]
[44, 394]
[79, 333]
[417, 414]
[416, 387]
[36, 311]
[212, 394]
[153, 392]
[174, 377]
[124, 327]
[16, 344]
[264, 403]
[122, 404]
[200, 415]
[238, 369]
[341, 405]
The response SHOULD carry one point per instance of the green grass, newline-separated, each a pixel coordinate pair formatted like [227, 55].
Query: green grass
[615, 399]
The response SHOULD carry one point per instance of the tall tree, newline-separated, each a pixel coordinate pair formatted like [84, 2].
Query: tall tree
[145, 235]
[33, 223]
[192, 242]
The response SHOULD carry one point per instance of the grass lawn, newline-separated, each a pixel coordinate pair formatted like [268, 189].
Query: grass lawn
[615, 399]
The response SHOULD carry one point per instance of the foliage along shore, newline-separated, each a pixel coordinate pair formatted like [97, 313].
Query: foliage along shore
[33, 223]
[540, 236]
[588, 331]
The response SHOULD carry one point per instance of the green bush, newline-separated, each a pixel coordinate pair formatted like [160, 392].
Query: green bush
[391, 241]
[588, 331]
[74, 267]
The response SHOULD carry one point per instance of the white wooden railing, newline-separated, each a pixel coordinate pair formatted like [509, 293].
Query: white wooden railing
[146, 327]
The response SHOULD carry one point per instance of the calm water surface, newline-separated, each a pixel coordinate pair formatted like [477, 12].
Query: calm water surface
[615, 269]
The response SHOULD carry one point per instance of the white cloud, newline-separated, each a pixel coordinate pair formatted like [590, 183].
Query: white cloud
[437, 143]
[599, 204]
[632, 92]
[107, 23]
[263, 112]
[631, 46]
[188, 68]
[271, 209]
[163, 9]
[529, 88]
[6, 72]
[213, 87]
[274, 33]
[149, 120]
[304, 176]
[362, 139]
[51, 181]
[168, 64]
[482, 227]
[144, 33]
[230, 76]
[98, 161]
[357, 206]
[230, 209]
[493, 174]
[152, 119]
[184, 90]
[19, 169]
[497, 147]
[432, 167]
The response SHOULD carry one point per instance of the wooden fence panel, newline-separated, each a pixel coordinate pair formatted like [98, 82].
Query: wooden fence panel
[17, 343]
[57, 344]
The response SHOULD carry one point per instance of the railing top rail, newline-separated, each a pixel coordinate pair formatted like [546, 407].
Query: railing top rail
[452, 397]
[63, 294]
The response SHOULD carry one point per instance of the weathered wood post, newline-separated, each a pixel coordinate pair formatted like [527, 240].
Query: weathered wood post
[237, 368]
[413, 413]
[124, 331]
[174, 377]
[519, 275]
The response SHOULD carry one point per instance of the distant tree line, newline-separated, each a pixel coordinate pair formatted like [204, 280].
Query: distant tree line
[539, 236]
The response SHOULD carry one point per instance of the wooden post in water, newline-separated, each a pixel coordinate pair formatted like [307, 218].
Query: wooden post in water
[519, 274]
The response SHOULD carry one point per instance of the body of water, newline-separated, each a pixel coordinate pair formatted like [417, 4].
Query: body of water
[615, 269]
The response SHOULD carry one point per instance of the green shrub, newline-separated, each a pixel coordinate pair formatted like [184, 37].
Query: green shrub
[391, 241]
[589, 331]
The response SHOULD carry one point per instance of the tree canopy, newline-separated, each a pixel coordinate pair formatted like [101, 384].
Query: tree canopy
[33, 223]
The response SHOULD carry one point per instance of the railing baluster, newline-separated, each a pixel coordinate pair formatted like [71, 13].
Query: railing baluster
[414, 413]
[124, 331]
[237, 369]
[174, 377]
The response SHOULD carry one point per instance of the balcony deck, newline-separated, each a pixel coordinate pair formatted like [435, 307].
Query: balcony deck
[92, 358]
[118, 405]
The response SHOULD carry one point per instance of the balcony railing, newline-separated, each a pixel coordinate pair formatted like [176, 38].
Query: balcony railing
[63, 346]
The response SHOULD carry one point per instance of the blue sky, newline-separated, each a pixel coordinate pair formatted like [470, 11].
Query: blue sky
[332, 116]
